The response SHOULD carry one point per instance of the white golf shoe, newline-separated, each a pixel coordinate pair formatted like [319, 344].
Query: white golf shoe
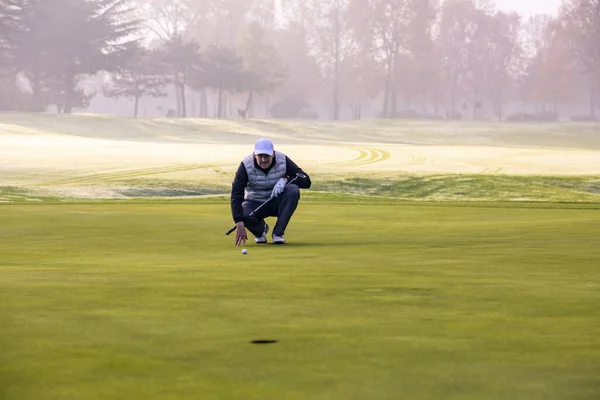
[278, 239]
[262, 239]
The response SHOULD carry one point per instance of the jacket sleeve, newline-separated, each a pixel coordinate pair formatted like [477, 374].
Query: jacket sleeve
[292, 169]
[237, 193]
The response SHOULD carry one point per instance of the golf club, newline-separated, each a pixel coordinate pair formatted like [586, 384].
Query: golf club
[298, 175]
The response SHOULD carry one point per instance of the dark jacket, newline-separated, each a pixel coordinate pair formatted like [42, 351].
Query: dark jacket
[240, 182]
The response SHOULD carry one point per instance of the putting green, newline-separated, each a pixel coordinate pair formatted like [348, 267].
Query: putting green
[372, 299]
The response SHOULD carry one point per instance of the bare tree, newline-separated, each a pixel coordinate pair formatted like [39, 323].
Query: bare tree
[305, 78]
[457, 31]
[548, 75]
[167, 19]
[264, 68]
[330, 40]
[418, 73]
[386, 24]
[581, 22]
[505, 53]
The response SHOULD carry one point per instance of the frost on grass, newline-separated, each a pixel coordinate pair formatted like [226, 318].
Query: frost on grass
[122, 192]
[77, 192]
[97, 157]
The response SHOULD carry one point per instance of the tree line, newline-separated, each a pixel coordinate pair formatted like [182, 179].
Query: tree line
[411, 58]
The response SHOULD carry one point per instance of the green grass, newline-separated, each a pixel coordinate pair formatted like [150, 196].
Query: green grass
[429, 188]
[471, 188]
[394, 285]
[372, 299]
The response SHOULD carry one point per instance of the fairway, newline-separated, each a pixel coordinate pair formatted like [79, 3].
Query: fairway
[428, 260]
[370, 300]
[45, 157]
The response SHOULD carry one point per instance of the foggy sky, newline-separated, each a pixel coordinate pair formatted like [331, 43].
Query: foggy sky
[528, 8]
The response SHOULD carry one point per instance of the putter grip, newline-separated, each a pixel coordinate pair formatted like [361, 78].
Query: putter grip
[231, 230]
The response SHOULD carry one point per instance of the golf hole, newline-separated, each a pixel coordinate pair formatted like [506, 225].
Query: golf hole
[263, 341]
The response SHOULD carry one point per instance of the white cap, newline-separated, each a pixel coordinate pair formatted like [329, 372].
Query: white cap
[264, 146]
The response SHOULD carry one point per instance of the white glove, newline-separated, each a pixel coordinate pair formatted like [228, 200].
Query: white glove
[278, 188]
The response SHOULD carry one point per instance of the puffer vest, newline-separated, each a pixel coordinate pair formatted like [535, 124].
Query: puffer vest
[260, 185]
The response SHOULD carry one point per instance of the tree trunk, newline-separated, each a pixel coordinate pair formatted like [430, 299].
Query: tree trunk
[183, 102]
[193, 109]
[336, 78]
[36, 88]
[220, 102]
[392, 95]
[177, 97]
[393, 113]
[203, 104]
[386, 96]
[453, 98]
[69, 94]
[500, 103]
[593, 99]
[248, 103]
[356, 110]
[136, 106]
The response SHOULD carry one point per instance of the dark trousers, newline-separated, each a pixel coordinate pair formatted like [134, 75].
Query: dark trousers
[282, 207]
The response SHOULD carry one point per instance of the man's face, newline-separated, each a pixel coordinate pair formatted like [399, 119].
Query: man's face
[264, 160]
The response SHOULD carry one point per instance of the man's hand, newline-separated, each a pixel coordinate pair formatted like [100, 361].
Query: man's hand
[240, 235]
[279, 186]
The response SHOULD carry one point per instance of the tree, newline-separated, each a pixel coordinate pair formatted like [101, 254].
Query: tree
[215, 21]
[77, 97]
[305, 78]
[265, 12]
[385, 23]
[481, 54]
[64, 40]
[97, 38]
[418, 74]
[222, 70]
[505, 55]
[180, 59]
[331, 39]
[548, 78]
[264, 68]
[167, 19]
[581, 24]
[36, 55]
[457, 30]
[360, 79]
[12, 13]
[139, 77]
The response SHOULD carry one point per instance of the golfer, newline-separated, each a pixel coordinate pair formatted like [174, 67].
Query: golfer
[261, 175]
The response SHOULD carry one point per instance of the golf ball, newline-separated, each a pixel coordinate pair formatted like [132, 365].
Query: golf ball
[244, 251]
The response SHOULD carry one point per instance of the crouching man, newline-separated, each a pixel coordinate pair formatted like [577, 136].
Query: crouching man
[261, 175]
